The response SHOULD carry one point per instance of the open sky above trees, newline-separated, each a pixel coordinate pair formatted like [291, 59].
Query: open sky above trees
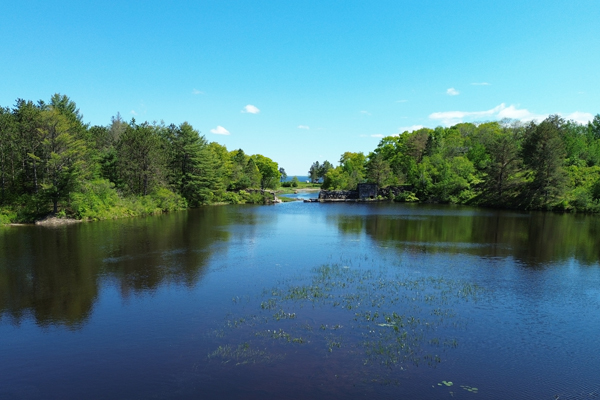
[301, 81]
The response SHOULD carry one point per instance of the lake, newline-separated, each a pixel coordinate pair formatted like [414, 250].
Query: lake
[304, 300]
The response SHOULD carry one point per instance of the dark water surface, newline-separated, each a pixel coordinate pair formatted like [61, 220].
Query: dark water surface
[303, 300]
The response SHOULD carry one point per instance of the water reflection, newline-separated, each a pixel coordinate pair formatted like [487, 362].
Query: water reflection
[54, 274]
[535, 239]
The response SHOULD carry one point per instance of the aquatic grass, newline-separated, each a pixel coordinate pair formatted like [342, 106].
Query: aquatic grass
[389, 320]
[242, 354]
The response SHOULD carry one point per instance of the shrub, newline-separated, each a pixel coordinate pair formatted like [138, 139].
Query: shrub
[98, 200]
[406, 197]
[7, 216]
[165, 200]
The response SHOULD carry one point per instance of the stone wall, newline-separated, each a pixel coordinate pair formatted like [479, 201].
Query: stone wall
[338, 195]
[353, 195]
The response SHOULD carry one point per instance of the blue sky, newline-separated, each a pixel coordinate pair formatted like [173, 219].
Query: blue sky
[306, 80]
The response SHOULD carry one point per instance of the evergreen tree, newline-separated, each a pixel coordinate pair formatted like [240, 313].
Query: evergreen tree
[192, 165]
[8, 142]
[544, 155]
[252, 173]
[313, 172]
[62, 158]
[504, 166]
[378, 170]
[140, 159]
[28, 119]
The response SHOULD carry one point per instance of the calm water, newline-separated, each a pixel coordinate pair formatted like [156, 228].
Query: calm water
[303, 300]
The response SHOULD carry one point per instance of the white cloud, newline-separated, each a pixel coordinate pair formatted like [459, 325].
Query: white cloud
[303, 127]
[196, 91]
[365, 112]
[378, 135]
[501, 111]
[251, 109]
[454, 117]
[133, 112]
[577, 116]
[219, 130]
[411, 128]
[480, 84]
[401, 101]
[523, 114]
[452, 92]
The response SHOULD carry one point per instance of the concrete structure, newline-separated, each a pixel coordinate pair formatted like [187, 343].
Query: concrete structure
[364, 192]
[367, 191]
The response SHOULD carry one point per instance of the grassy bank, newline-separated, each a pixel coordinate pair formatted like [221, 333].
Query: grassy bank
[99, 200]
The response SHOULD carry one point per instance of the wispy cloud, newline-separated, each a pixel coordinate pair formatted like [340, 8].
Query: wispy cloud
[480, 84]
[251, 109]
[133, 112]
[196, 91]
[452, 92]
[401, 101]
[378, 135]
[219, 130]
[303, 127]
[501, 111]
[365, 112]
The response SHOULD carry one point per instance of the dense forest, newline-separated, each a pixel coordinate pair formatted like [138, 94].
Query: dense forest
[550, 165]
[51, 162]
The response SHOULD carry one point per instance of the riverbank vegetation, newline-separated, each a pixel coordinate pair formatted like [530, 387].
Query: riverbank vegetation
[52, 162]
[550, 165]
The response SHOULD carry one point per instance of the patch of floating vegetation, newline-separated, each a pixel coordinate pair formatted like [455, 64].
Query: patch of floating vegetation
[242, 354]
[469, 388]
[380, 320]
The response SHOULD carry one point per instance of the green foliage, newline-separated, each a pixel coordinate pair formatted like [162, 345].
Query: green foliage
[166, 200]
[336, 179]
[293, 183]
[51, 161]
[63, 155]
[406, 197]
[193, 166]
[379, 171]
[544, 154]
[141, 160]
[269, 171]
[7, 216]
[97, 200]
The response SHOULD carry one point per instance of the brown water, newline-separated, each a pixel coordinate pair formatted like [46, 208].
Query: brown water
[304, 300]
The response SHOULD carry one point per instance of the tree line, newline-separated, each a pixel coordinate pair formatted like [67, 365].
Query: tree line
[53, 162]
[550, 165]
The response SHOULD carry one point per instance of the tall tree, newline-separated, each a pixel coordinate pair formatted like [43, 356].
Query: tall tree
[313, 172]
[378, 170]
[594, 126]
[353, 164]
[63, 156]
[282, 173]
[252, 174]
[140, 158]
[269, 171]
[544, 153]
[28, 119]
[192, 165]
[505, 163]
[324, 169]
[8, 141]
